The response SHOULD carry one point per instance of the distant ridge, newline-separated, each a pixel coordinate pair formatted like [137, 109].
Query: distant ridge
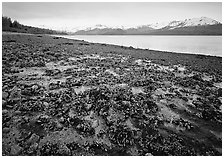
[8, 25]
[194, 26]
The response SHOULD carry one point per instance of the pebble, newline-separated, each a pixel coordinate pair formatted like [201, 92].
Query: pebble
[71, 114]
[61, 120]
[64, 149]
[5, 111]
[95, 124]
[33, 139]
[33, 147]
[59, 126]
[45, 104]
[5, 130]
[88, 106]
[17, 112]
[4, 103]
[148, 154]
[35, 87]
[15, 150]
[26, 119]
[4, 95]
[9, 106]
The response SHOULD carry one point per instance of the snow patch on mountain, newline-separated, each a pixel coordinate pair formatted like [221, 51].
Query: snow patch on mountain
[202, 21]
[98, 26]
[158, 25]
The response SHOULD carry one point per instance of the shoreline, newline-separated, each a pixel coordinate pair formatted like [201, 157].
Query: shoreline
[71, 97]
[186, 56]
[64, 36]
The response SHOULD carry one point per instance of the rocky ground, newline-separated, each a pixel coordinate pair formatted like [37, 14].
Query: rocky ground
[69, 97]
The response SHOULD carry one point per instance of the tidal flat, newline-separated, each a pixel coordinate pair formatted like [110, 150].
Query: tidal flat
[71, 97]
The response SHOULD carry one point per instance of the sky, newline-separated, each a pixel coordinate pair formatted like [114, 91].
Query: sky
[76, 15]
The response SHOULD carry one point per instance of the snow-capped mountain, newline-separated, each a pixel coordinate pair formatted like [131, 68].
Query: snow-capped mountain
[98, 26]
[202, 25]
[187, 22]
[200, 21]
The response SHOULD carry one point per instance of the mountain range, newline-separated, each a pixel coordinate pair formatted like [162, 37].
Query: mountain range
[193, 26]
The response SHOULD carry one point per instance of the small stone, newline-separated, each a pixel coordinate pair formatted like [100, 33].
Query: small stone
[59, 126]
[5, 95]
[33, 139]
[15, 93]
[43, 119]
[33, 148]
[4, 103]
[45, 104]
[5, 130]
[9, 106]
[91, 115]
[25, 119]
[63, 150]
[71, 114]
[148, 154]
[4, 111]
[17, 112]
[95, 124]
[15, 150]
[167, 84]
[88, 107]
[78, 126]
[35, 87]
[61, 120]
[38, 121]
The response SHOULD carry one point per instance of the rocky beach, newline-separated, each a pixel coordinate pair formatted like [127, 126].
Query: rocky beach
[71, 97]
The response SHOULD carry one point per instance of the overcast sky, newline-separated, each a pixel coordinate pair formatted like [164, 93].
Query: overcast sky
[71, 15]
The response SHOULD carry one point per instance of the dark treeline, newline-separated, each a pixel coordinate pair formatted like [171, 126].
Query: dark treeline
[15, 26]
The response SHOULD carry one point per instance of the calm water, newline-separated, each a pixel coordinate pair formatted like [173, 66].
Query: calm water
[209, 45]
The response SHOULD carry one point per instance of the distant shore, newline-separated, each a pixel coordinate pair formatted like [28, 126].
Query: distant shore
[146, 34]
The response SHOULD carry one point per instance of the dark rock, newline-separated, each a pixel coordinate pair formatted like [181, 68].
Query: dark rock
[43, 119]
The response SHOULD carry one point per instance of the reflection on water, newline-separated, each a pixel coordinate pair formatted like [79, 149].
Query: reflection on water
[209, 45]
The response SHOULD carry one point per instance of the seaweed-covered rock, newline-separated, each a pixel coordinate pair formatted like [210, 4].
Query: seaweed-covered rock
[52, 72]
[85, 128]
[121, 136]
[49, 149]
